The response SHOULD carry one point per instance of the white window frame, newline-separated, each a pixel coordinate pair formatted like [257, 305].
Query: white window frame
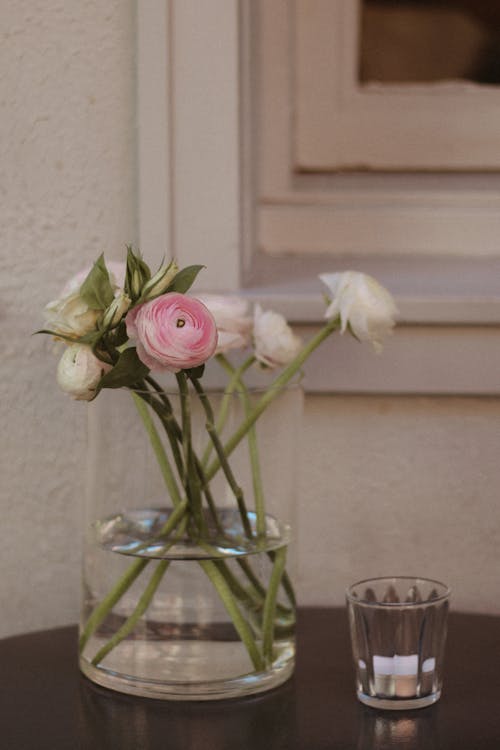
[341, 124]
[355, 214]
[196, 203]
[188, 134]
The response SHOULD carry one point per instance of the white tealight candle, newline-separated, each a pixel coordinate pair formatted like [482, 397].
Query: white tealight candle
[383, 670]
[397, 676]
[406, 671]
[383, 664]
[406, 665]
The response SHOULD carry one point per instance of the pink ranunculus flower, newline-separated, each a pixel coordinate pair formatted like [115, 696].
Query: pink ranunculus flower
[234, 327]
[173, 332]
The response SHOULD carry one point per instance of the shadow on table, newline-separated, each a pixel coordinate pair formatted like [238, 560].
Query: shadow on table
[109, 720]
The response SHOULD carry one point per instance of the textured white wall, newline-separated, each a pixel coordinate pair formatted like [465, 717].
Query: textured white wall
[67, 134]
[401, 486]
[389, 484]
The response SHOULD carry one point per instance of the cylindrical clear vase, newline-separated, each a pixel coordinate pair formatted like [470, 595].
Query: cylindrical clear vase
[188, 569]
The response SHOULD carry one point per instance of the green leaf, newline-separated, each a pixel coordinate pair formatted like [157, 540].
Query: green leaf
[183, 280]
[127, 371]
[71, 339]
[89, 338]
[118, 336]
[102, 355]
[96, 290]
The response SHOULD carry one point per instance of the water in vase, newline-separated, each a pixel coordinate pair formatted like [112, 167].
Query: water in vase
[190, 616]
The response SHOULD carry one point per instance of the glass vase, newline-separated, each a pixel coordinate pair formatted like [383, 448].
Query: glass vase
[187, 576]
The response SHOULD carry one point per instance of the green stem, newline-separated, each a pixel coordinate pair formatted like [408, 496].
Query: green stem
[287, 586]
[247, 597]
[239, 622]
[163, 410]
[145, 599]
[236, 489]
[107, 604]
[259, 588]
[256, 478]
[191, 478]
[205, 488]
[272, 392]
[226, 399]
[134, 570]
[141, 607]
[159, 450]
[258, 491]
[169, 422]
[186, 425]
[270, 604]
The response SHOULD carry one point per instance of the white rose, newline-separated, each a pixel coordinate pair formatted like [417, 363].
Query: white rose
[363, 305]
[231, 318]
[69, 315]
[79, 371]
[275, 342]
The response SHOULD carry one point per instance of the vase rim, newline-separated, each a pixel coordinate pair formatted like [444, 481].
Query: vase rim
[221, 390]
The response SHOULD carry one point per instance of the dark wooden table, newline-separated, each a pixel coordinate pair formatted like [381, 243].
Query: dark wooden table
[46, 703]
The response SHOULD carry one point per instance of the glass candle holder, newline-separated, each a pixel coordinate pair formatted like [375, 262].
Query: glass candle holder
[398, 633]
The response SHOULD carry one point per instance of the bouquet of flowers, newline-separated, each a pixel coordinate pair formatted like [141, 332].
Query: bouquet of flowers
[122, 326]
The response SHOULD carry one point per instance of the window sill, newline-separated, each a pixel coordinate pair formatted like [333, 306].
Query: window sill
[428, 291]
[447, 340]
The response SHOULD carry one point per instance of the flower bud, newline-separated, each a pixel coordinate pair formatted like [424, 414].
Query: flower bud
[136, 275]
[79, 371]
[136, 284]
[159, 282]
[116, 310]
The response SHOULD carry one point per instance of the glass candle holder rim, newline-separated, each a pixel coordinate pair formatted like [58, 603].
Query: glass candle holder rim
[446, 592]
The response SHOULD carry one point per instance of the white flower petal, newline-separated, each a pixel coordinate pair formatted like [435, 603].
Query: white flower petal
[364, 306]
[231, 318]
[275, 343]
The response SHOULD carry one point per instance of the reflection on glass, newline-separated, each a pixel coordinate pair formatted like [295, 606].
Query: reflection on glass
[108, 719]
[430, 40]
[378, 731]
